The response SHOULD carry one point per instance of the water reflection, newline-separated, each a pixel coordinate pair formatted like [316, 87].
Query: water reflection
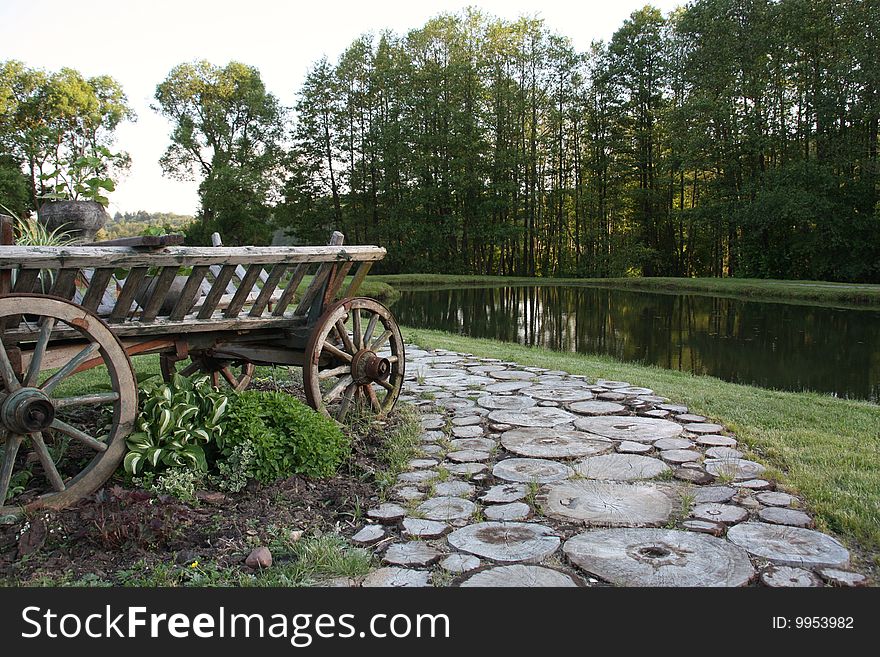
[786, 346]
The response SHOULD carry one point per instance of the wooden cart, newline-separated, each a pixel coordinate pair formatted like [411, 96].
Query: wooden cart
[216, 310]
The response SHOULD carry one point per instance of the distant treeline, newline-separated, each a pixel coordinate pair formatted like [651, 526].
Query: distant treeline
[132, 224]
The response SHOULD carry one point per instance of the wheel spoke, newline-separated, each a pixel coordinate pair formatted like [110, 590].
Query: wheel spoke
[84, 400]
[192, 368]
[229, 376]
[50, 383]
[356, 328]
[9, 453]
[76, 434]
[346, 401]
[336, 371]
[336, 351]
[33, 372]
[46, 461]
[371, 326]
[10, 380]
[374, 400]
[346, 339]
[382, 339]
[337, 390]
[385, 385]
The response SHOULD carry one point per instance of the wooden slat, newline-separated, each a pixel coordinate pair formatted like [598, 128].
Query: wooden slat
[215, 272]
[196, 277]
[25, 281]
[270, 283]
[143, 241]
[129, 289]
[290, 290]
[217, 290]
[243, 292]
[320, 279]
[336, 281]
[66, 257]
[163, 284]
[359, 275]
[64, 284]
[97, 281]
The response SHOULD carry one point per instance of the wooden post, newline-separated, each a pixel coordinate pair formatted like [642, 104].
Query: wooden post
[7, 238]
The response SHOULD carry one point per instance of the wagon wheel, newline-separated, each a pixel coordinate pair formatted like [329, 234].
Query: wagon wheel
[348, 359]
[41, 412]
[236, 374]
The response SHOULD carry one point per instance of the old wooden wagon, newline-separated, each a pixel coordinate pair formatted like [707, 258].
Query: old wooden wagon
[215, 310]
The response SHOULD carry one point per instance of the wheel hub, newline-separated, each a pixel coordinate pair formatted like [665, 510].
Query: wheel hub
[367, 367]
[27, 410]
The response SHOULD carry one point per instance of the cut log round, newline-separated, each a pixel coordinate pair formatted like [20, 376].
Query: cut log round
[704, 428]
[524, 470]
[596, 408]
[723, 453]
[607, 504]
[420, 528]
[393, 576]
[620, 467]
[447, 508]
[512, 375]
[504, 493]
[714, 440]
[629, 447]
[415, 553]
[454, 488]
[773, 498]
[790, 517]
[788, 577]
[673, 443]
[637, 429]
[538, 416]
[727, 514]
[659, 557]
[736, 469]
[511, 511]
[563, 393]
[539, 442]
[789, 546]
[478, 444]
[717, 494]
[680, 456]
[506, 402]
[519, 576]
[468, 456]
[506, 542]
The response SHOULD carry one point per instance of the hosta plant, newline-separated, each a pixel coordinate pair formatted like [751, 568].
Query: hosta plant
[177, 421]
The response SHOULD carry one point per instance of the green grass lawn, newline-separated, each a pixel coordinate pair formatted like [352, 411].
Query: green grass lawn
[825, 448]
[760, 289]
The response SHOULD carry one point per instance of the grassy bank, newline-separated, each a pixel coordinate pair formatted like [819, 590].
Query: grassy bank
[825, 448]
[747, 288]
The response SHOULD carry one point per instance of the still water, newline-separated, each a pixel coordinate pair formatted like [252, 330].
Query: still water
[773, 345]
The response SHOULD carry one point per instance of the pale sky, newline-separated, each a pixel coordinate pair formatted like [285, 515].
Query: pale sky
[139, 42]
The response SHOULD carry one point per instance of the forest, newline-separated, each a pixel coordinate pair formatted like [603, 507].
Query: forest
[730, 138]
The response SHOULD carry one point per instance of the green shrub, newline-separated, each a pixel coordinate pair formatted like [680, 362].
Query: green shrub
[288, 437]
[176, 421]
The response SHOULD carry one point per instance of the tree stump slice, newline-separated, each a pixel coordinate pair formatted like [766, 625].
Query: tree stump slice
[789, 546]
[689, 417]
[485, 369]
[510, 511]
[467, 421]
[527, 470]
[396, 577]
[504, 493]
[415, 553]
[408, 493]
[755, 484]
[673, 443]
[727, 514]
[636, 429]
[454, 488]
[713, 494]
[419, 464]
[447, 508]
[472, 431]
[680, 456]
[700, 428]
[629, 447]
[468, 456]
[506, 402]
[420, 528]
[693, 475]
[723, 453]
[678, 409]
[537, 416]
[551, 443]
[634, 390]
[506, 542]
[433, 423]
[519, 576]
[704, 527]
[507, 386]
[478, 444]
[455, 403]
[460, 563]
[715, 440]
[791, 517]
[653, 399]
[569, 392]
[659, 557]
[788, 577]
[467, 469]
[837, 577]
[607, 504]
[596, 408]
[737, 469]
[417, 477]
[612, 396]
[430, 448]
[620, 467]
[605, 383]
[512, 375]
[773, 498]
[368, 535]
[387, 513]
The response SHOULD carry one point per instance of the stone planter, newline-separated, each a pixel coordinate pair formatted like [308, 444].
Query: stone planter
[82, 219]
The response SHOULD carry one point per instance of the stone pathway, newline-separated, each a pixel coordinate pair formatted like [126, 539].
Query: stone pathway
[531, 477]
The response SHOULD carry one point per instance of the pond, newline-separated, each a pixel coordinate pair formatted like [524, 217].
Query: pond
[774, 345]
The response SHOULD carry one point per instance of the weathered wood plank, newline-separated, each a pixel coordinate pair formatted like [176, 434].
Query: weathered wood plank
[359, 275]
[126, 297]
[290, 290]
[97, 281]
[243, 292]
[158, 294]
[336, 281]
[217, 290]
[319, 281]
[269, 286]
[143, 241]
[65, 257]
[64, 284]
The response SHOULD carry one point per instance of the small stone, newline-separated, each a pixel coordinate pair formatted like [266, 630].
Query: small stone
[837, 577]
[723, 453]
[472, 431]
[454, 488]
[673, 443]
[689, 417]
[387, 513]
[714, 440]
[368, 535]
[713, 494]
[693, 475]
[460, 563]
[786, 577]
[679, 456]
[629, 447]
[775, 499]
[420, 528]
[384, 577]
[727, 514]
[259, 557]
[512, 511]
[704, 527]
[295, 535]
[504, 493]
[467, 469]
[468, 456]
[791, 517]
